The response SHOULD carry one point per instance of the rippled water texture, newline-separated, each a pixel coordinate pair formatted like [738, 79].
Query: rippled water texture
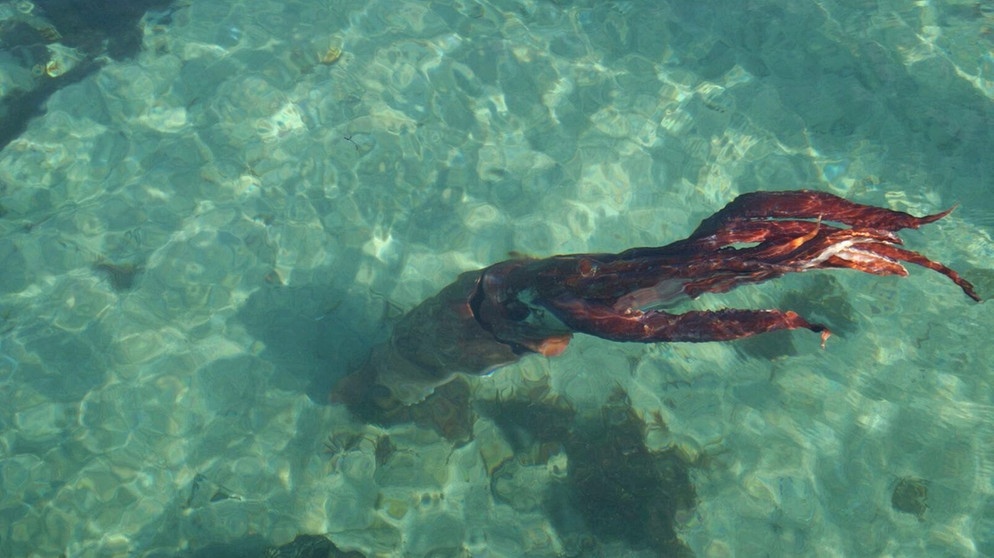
[196, 243]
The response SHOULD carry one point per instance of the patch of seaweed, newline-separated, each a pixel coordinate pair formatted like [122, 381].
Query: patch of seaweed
[615, 488]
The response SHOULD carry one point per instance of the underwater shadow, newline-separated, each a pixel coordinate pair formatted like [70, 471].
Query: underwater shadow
[310, 334]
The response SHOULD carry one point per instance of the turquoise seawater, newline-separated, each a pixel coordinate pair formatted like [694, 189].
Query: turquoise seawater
[197, 243]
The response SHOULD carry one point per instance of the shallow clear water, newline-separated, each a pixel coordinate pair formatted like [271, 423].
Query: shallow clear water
[199, 242]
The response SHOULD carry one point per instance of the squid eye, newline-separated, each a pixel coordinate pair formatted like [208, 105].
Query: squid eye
[587, 268]
[517, 312]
